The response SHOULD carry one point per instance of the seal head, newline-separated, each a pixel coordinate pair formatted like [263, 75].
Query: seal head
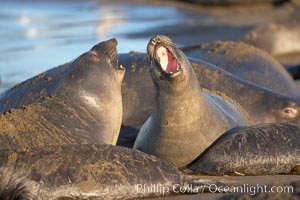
[184, 121]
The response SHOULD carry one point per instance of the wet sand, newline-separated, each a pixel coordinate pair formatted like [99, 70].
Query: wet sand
[204, 24]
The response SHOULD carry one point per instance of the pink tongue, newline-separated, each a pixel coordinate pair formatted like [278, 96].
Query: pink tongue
[167, 60]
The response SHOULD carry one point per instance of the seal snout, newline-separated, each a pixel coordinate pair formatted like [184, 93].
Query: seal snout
[161, 50]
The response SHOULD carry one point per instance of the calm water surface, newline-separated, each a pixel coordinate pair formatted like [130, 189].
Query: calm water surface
[38, 35]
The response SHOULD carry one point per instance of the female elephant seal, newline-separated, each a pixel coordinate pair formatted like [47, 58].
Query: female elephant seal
[264, 106]
[85, 107]
[185, 120]
[248, 63]
[264, 149]
[90, 171]
[279, 37]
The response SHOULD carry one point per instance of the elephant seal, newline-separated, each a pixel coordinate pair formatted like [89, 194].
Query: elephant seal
[248, 63]
[277, 37]
[86, 105]
[185, 120]
[90, 171]
[265, 106]
[281, 39]
[264, 149]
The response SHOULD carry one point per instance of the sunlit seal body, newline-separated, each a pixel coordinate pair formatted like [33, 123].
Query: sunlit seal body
[185, 120]
[281, 39]
[265, 149]
[85, 105]
[264, 106]
[248, 63]
[277, 38]
[90, 171]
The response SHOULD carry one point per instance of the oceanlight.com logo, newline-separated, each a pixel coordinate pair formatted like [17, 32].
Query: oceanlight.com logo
[250, 189]
[212, 188]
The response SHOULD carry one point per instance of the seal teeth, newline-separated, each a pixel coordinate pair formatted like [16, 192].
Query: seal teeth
[153, 42]
[178, 67]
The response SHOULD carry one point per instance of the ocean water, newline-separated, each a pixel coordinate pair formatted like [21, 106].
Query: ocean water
[38, 35]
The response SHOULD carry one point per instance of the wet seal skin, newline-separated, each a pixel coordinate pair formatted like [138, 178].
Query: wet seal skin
[264, 106]
[85, 105]
[185, 120]
[277, 38]
[91, 171]
[246, 62]
[281, 39]
[264, 149]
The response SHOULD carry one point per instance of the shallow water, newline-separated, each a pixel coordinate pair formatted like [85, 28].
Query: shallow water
[38, 35]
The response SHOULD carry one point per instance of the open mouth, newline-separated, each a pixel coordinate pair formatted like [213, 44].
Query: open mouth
[113, 54]
[167, 62]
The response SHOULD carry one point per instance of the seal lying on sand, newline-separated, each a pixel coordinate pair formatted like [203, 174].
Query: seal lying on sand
[264, 149]
[86, 105]
[264, 106]
[91, 171]
[185, 120]
[281, 39]
[277, 37]
[248, 63]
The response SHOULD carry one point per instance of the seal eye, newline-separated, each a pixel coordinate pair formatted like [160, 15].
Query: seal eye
[289, 112]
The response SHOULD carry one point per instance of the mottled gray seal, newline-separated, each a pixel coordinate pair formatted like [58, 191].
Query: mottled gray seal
[185, 120]
[265, 106]
[264, 149]
[90, 171]
[248, 63]
[280, 37]
[85, 105]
